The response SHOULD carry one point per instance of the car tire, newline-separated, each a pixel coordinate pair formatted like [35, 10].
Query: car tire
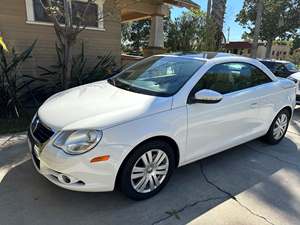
[152, 163]
[278, 127]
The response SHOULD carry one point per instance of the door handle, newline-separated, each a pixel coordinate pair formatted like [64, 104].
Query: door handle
[254, 105]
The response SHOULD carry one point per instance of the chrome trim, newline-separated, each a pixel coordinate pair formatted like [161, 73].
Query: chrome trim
[38, 143]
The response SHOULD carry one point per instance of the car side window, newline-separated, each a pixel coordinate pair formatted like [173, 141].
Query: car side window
[231, 77]
[280, 67]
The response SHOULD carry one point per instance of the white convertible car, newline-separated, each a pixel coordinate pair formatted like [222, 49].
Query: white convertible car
[133, 130]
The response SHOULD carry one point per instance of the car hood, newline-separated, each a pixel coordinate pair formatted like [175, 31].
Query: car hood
[98, 105]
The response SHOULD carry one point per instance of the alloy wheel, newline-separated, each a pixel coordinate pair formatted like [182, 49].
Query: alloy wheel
[280, 126]
[149, 171]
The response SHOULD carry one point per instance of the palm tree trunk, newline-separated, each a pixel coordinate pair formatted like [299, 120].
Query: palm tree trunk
[269, 49]
[259, 12]
[218, 13]
[208, 12]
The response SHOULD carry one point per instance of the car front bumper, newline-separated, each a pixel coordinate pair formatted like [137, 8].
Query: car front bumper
[76, 172]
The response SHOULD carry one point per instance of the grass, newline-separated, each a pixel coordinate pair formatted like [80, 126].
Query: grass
[8, 126]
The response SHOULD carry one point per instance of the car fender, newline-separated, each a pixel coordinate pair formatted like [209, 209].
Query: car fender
[171, 123]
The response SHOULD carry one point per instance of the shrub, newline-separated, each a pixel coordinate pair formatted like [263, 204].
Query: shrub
[51, 78]
[15, 88]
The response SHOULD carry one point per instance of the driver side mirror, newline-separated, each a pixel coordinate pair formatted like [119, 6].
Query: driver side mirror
[207, 96]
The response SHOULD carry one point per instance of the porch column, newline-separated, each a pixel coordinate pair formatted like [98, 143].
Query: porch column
[157, 31]
[156, 41]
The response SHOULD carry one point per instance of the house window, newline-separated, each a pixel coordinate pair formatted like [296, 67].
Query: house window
[37, 15]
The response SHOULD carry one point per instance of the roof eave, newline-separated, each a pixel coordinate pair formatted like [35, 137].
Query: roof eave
[183, 3]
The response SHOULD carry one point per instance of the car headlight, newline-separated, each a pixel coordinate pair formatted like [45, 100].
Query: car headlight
[78, 142]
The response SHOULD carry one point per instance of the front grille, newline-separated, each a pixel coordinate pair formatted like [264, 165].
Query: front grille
[40, 132]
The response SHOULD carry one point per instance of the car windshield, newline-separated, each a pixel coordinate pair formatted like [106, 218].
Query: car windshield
[157, 75]
[291, 67]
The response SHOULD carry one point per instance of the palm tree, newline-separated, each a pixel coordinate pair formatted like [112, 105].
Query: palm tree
[209, 2]
[259, 12]
[218, 14]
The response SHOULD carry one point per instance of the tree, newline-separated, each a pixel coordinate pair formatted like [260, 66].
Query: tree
[135, 35]
[296, 43]
[68, 25]
[186, 33]
[67, 28]
[295, 58]
[208, 11]
[280, 19]
[259, 11]
[217, 16]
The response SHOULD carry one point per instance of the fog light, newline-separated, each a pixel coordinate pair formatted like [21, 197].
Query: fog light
[65, 179]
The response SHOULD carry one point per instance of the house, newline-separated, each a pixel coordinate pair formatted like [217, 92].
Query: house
[279, 51]
[23, 21]
[244, 48]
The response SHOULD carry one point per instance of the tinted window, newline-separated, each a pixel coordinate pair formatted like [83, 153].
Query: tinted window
[280, 67]
[157, 75]
[230, 77]
[291, 67]
[271, 65]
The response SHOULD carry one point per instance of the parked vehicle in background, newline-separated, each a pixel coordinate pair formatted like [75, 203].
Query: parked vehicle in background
[280, 68]
[296, 78]
[164, 112]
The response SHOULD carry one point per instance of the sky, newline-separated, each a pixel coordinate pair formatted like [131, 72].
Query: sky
[232, 9]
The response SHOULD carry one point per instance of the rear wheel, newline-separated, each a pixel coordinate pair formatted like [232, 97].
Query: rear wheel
[279, 127]
[147, 170]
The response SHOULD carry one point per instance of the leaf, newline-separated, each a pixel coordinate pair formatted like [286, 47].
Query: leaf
[12, 82]
[18, 59]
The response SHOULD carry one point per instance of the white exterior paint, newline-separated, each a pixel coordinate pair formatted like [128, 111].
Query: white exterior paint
[128, 118]
[296, 76]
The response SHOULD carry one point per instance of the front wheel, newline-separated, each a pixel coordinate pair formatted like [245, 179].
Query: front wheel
[147, 170]
[279, 127]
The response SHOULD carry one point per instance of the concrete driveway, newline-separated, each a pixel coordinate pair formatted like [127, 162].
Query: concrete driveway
[249, 185]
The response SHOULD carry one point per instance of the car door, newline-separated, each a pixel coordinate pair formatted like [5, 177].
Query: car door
[270, 95]
[230, 122]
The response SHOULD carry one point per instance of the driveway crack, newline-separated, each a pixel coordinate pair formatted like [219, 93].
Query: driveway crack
[232, 196]
[190, 205]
